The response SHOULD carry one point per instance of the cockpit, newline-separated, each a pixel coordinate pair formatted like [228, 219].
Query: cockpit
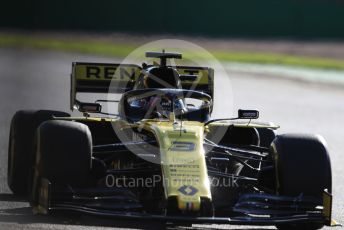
[159, 103]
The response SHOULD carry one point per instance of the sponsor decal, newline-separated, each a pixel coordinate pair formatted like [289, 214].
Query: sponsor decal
[188, 190]
[182, 146]
[110, 72]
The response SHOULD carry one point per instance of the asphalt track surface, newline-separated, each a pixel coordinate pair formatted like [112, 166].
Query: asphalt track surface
[40, 80]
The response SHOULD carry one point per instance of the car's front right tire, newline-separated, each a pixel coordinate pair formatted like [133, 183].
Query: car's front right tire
[20, 148]
[63, 155]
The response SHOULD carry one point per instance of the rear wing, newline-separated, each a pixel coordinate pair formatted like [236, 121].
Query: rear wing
[119, 78]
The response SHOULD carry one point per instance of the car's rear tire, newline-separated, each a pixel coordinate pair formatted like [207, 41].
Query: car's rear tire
[20, 149]
[63, 155]
[303, 167]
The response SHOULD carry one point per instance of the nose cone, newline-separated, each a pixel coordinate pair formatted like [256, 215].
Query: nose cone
[183, 163]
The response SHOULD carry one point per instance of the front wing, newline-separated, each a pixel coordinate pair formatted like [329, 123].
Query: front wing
[251, 209]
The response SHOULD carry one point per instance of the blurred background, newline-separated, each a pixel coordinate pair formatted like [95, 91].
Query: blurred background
[282, 57]
[246, 18]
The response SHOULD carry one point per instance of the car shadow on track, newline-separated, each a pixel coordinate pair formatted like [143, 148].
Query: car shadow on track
[19, 213]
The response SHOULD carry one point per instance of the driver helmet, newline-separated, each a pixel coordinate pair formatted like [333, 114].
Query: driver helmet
[160, 78]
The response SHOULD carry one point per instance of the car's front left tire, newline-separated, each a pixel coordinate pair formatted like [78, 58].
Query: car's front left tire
[303, 167]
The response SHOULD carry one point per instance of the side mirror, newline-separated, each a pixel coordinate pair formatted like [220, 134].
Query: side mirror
[248, 114]
[86, 107]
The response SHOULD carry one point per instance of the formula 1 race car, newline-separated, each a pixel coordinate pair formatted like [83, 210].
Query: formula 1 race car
[162, 157]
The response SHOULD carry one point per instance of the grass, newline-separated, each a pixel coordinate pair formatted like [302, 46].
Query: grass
[281, 59]
[122, 50]
[91, 47]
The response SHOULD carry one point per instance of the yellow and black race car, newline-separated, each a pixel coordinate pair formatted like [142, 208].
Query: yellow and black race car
[162, 157]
